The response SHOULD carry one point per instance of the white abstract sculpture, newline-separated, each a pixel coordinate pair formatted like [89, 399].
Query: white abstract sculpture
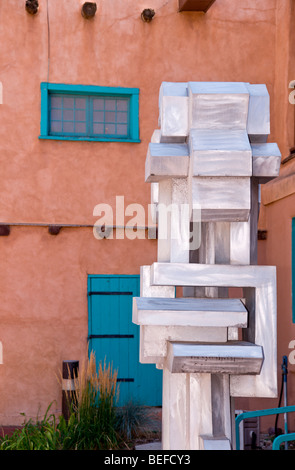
[210, 155]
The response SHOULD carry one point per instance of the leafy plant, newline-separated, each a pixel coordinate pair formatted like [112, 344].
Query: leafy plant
[40, 435]
[91, 424]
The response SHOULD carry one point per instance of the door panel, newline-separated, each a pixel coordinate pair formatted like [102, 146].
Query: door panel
[113, 336]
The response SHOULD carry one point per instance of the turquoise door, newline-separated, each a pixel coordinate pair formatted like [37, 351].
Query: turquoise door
[113, 336]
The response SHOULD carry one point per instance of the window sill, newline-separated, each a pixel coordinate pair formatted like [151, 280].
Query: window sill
[86, 139]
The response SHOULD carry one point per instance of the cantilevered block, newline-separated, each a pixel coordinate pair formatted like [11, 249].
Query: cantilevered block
[154, 339]
[259, 283]
[220, 198]
[189, 312]
[233, 357]
[266, 161]
[173, 111]
[166, 161]
[217, 105]
[258, 124]
[220, 152]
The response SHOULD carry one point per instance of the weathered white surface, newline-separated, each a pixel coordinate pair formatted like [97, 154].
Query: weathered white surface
[258, 123]
[214, 443]
[166, 161]
[164, 220]
[220, 199]
[214, 178]
[173, 110]
[180, 224]
[266, 161]
[154, 202]
[229, 358]
[264, 312]
[218, 105]
[189, 312]
[153, 339]
[184, 420]
[220, 152]
[240, 243]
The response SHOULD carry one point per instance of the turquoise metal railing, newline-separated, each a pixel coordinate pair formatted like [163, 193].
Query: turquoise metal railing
[259, 413]
[282, 438]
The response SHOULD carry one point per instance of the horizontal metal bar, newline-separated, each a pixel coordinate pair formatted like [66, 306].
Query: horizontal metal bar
[282, 438]
[109, 336]
[109, 293]
[125, 380]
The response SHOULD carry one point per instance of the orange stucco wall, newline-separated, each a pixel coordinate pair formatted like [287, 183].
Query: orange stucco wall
[43, 313]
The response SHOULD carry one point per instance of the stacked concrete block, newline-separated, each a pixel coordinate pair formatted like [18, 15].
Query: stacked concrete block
[205, 165]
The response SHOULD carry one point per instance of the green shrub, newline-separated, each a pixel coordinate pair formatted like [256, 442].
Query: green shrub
[40, 435]
[91, 424]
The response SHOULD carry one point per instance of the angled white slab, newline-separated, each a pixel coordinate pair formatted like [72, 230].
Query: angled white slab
[235, 357]
[219, 152]
[218, 105]
[260, 286]
[154, 339]
[219, 275]
[258, 123]
[173, 111]
[166, 161]
[266, 161]
[189, 312]
[220, 198]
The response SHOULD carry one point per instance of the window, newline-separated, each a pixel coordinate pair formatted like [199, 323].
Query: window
[80, 112]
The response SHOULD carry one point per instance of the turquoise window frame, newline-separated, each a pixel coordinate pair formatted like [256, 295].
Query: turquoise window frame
[91, 91]
[293, 269]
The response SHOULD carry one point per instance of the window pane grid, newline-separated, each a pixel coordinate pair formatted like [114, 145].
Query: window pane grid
[98, 116]
[68, 115]
[110, 117]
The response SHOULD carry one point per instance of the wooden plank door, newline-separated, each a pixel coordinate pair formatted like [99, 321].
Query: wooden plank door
[113, 336]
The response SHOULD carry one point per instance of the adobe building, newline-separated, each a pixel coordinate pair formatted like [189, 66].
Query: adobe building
[79, 106]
